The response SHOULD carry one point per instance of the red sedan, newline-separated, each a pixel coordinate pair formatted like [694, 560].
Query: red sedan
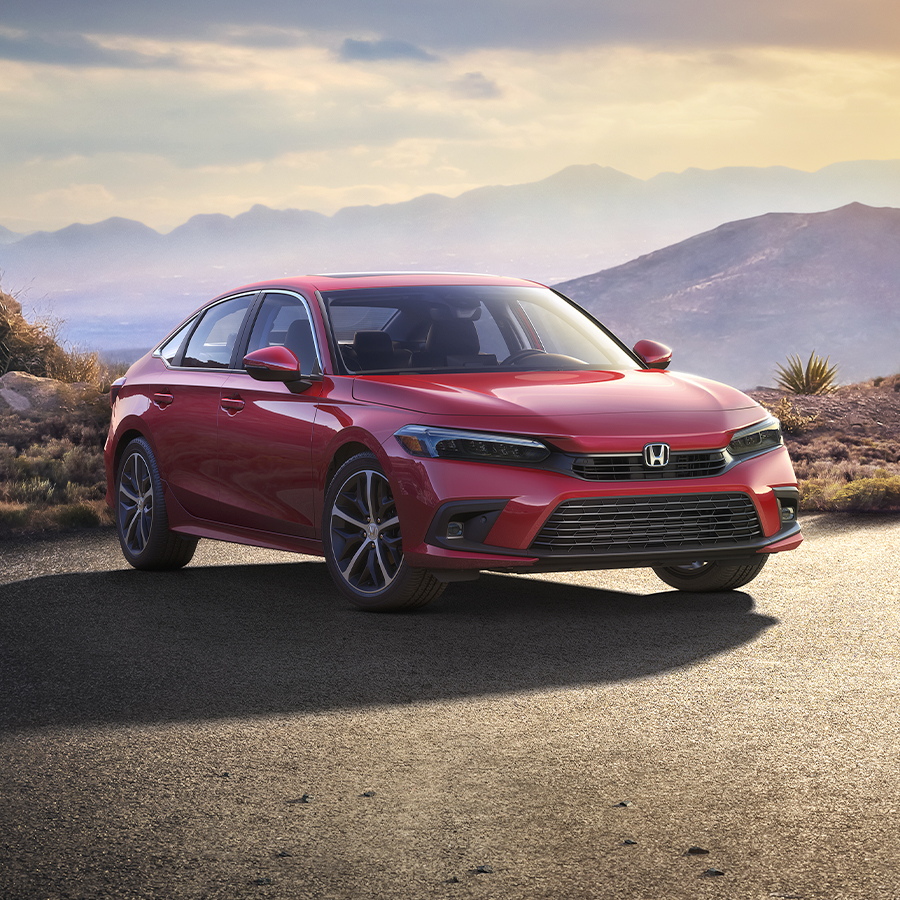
[417, 428]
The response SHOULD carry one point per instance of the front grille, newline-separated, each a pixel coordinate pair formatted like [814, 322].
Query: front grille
[598, 525]
[630, 466]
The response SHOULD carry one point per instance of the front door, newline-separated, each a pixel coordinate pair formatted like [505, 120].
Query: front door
[265, 431]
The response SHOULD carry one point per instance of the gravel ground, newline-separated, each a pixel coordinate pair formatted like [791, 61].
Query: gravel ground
[233, 730]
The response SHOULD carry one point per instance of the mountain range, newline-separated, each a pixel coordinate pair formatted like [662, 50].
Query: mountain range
[738, 299]
[121, 284]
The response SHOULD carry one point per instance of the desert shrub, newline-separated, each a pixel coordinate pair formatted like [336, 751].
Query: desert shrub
[36, 348]
[51, 462]
[30, 347]
[30, 490]
[815, 378]
[792, 420]
[12, 515]
[881, 491]
[78, 515]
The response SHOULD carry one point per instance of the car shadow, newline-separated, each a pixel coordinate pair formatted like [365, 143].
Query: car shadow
[235, 641]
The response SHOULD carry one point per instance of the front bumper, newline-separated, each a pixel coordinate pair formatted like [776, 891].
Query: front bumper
[481, 517]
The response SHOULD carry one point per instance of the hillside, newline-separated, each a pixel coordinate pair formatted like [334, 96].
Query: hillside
[735, 300]
[119, 283]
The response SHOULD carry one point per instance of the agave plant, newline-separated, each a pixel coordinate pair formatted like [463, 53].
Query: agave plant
[814, 378]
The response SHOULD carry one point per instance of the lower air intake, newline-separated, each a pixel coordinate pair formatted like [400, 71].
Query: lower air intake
[599, 525]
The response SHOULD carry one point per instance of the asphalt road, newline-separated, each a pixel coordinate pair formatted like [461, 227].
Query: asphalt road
[233, 730]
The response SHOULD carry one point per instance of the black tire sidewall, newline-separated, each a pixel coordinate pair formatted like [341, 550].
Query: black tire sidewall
[153, 550]
[388, 598]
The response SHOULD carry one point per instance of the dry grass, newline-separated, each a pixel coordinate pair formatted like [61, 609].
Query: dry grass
[51, 463]
[35, 347]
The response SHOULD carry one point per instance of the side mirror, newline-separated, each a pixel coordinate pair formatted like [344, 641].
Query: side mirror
[655, 355]
[275, 364]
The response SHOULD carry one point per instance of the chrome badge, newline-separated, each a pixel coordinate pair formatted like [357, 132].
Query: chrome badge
[656, 455]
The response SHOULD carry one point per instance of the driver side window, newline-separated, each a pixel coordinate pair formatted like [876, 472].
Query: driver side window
[283, 321]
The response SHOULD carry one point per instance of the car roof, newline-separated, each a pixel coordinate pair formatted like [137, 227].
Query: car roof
[343, 281]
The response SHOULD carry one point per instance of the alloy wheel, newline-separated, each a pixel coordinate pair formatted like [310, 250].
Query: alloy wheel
[135, 503]
[365, 533]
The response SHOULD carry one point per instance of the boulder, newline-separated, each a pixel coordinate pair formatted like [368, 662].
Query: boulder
[29, 395]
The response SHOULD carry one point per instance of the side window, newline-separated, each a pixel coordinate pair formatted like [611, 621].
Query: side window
[213, 339]
[170, 349]
[282, 321]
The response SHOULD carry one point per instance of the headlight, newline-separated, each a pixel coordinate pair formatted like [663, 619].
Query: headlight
[450, 443]
[764, 435]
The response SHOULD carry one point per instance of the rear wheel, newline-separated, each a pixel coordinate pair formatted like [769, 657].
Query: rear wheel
[141, 520]
[363, 544]
[712, 576]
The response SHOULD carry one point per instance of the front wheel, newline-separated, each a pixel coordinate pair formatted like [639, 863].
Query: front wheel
[141, 520]
[712, 576]
[363, 545]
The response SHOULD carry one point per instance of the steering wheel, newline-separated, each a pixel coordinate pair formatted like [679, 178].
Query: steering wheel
[515, 358]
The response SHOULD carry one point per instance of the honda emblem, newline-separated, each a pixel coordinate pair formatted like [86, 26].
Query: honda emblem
[656, 455]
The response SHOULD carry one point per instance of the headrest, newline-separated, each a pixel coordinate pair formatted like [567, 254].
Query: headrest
[456, 336]
[372, 342]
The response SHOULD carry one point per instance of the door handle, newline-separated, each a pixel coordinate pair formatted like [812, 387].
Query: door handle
[162, 399]
[231, 405]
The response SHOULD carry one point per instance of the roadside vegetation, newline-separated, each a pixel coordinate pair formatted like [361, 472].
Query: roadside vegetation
[816, 377]
[846, 468]
[51, 459]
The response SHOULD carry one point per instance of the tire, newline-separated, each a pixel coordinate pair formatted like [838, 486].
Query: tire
[141, 521]
[363, 545]
[712, 576]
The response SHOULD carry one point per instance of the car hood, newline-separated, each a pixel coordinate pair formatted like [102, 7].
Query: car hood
[576, 410]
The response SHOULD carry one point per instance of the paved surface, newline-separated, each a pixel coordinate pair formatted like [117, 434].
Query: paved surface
[160, 731]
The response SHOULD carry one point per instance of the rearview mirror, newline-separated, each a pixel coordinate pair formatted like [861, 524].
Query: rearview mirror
[275, 364]
[655, 355]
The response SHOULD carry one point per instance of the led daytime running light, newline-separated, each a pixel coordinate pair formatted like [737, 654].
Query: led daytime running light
[449, 443]
[765, 435]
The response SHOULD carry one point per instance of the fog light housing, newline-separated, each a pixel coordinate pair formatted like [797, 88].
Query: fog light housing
[454, 530]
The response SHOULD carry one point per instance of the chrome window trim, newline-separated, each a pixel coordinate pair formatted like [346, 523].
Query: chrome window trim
[288, 293]
[197, 317]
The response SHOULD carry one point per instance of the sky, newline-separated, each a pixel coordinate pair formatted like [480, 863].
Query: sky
[161, 111]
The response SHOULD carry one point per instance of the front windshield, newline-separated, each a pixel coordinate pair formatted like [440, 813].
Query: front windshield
[466, 327]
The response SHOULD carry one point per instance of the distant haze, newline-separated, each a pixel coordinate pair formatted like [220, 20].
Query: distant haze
[119, 284]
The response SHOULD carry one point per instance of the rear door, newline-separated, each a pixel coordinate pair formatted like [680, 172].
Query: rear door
[184, 406]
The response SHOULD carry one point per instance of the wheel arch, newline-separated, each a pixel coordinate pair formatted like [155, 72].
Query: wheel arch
[341, 455]
[122, 442]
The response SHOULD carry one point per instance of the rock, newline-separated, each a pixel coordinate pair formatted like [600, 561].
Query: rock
[453, 880]
[696, 851]
[713, 873]
[281, 854]
[368, 794]
[629, 843]
[484, 870]
[625, 803]
[304, 799]
[23, 393]
[262, 881]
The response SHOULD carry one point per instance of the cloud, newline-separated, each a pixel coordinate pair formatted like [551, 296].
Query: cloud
[472, 24]
[74, 50]
[378, 51]
[475, 86]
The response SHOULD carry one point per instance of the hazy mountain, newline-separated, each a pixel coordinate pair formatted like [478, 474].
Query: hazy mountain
[121, 284]
[8, 237]
[734, 301]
